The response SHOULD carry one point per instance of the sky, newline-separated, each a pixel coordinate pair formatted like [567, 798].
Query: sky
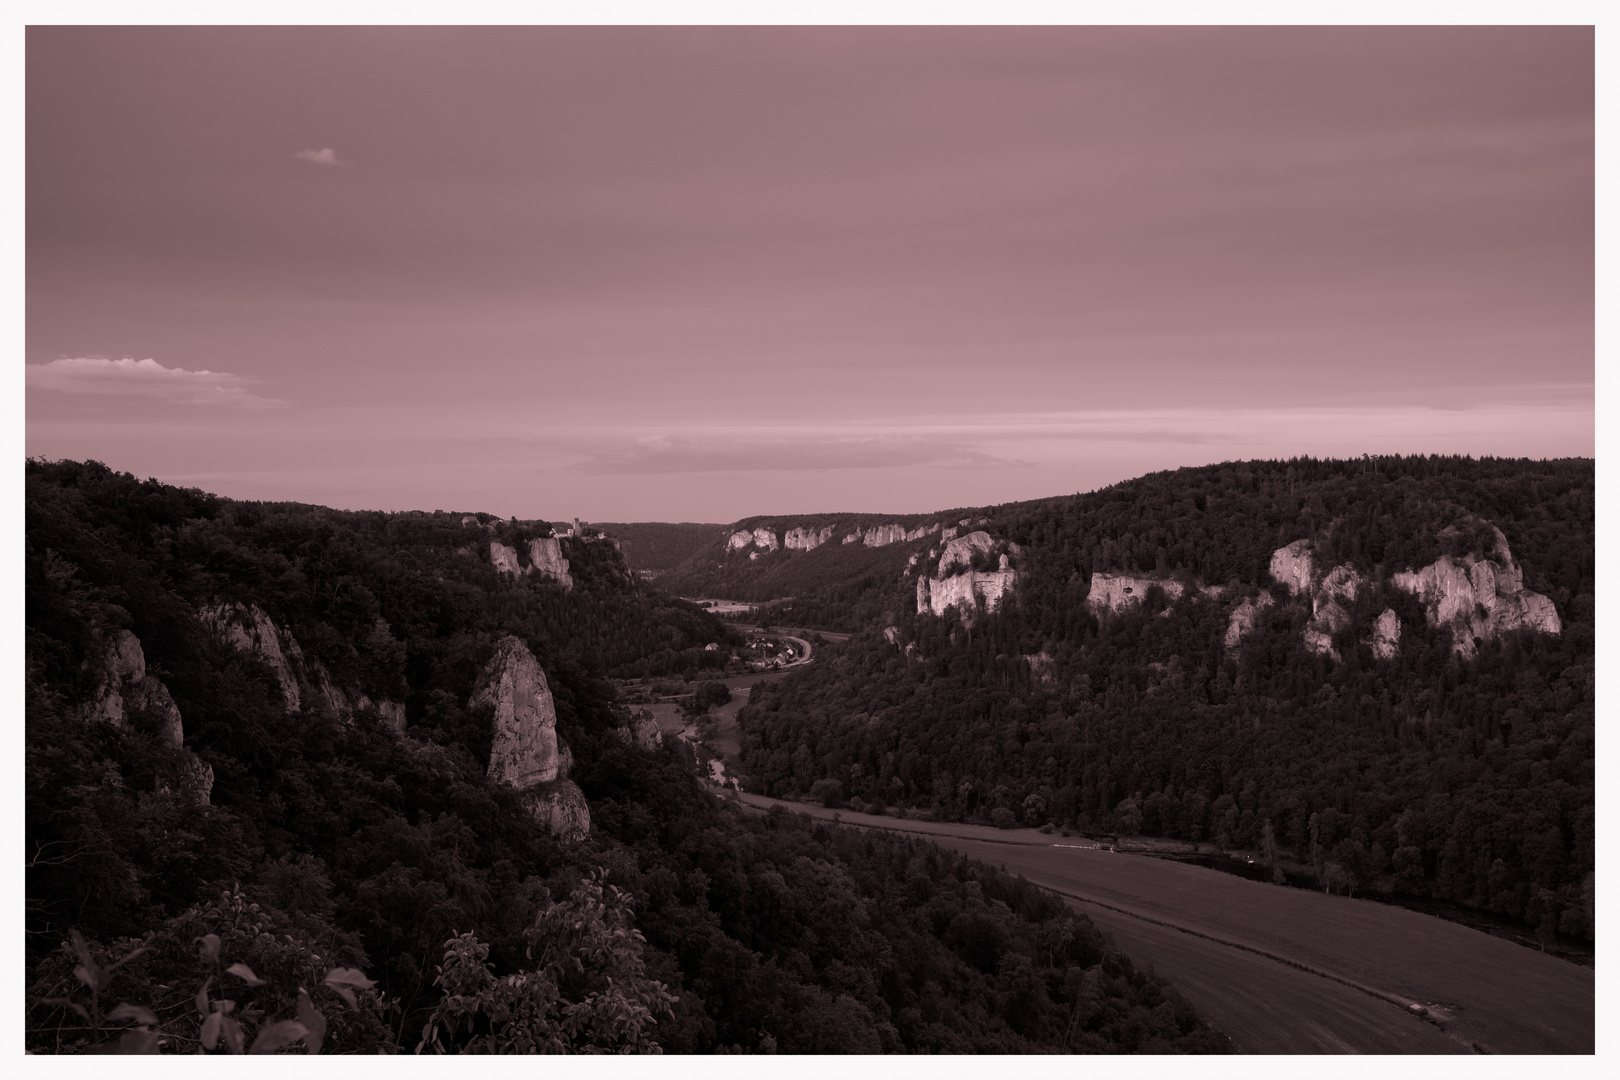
[697, 274]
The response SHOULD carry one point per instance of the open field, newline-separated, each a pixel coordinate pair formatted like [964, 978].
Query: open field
[1289, 970]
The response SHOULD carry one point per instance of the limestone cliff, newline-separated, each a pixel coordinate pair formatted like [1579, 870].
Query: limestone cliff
[1386, 635]
[1292, 567]
[1244, 617]
[524, 749]
[884, 535]
[1329, 614]
[303, 682]
[964, 591]
[806, 539]
[762, 538]
[1115, 592]
[248, 629]
[545, 558]
[128, 698]
[1330, 619]
[960, 551]
[1479, 599]
[504, 558]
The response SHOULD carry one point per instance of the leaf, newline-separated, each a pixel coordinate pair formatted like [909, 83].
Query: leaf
[210, 944]
[138, 1041]
[233, 1034]
[202, 998]
[348, 977]
[139, 1013]
[245, 973]
[347, 995]
[92, 976]
[128, 957]
[80, 947]
[210, 1030]
[67, 1003]
[312, 1019]
[277, 1036]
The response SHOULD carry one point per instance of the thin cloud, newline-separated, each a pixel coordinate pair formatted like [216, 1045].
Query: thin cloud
[328, 156]
[665, 454]
[146, 378]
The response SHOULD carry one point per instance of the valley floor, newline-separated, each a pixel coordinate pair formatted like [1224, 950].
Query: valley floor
[1286, 970]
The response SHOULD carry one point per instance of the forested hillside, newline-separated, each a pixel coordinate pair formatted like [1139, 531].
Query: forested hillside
[657, 545]
[1426, 772]
[225, 858]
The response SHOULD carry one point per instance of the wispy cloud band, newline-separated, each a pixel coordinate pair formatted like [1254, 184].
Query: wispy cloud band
[147, 378]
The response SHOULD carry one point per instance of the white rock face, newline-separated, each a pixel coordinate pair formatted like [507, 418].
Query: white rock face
[1341, 584]
[806, 539]
[1479, 599]
[762, 538]
[964, 591]
[545, 558]
[504, 558]
[1244, 617]
[891, 634]
[124, 691]
[852, 537]
[949, 534]
[1115, 592]
[249, 629]
[884, 535]
[1386, 635]
[523, 751]
[1292, 567]
[960, 551]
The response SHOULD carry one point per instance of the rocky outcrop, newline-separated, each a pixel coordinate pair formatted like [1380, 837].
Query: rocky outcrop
[1244, 617]
[960, 551]
[1329, 614]
[1386, 635]
[504, 558]
[1330, 619]
[641, 730]
[130, 699]
[806, 539]
[950, 533]
[304, 683]
[545, 558]
[560, 806]
[1479, 599]
[762, 538]
[964, 591]
[891, 634]
[1292, 567]
[248, 629]
[524, 749]
[884, 535]
[1115, 592]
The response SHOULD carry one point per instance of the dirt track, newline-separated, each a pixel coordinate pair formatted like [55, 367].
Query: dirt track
[1294, 971]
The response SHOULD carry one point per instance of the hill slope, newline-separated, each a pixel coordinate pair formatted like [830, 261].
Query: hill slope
[1249, 653]
[264, 735]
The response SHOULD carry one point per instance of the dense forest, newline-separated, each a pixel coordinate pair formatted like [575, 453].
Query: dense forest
[350, 886]
[657, 545]
[1426, 775]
